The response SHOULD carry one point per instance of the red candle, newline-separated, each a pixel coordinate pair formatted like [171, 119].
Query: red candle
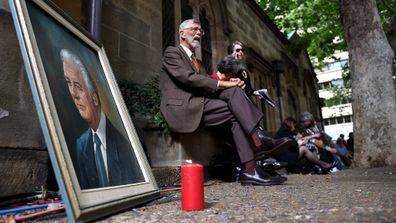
[192, 187]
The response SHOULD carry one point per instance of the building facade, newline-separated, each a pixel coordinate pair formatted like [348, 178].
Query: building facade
[337, 117]
[135, 34]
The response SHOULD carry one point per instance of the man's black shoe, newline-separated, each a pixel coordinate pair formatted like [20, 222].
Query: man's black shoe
[273, 164]
[273, 173]
[260, 178]
[266, 145]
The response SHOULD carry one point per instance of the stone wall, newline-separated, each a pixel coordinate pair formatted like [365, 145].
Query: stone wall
[23, 157]
[131, 32]
[254, 32]
[132, 35]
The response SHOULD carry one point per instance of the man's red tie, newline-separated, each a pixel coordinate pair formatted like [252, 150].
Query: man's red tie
[196, 64]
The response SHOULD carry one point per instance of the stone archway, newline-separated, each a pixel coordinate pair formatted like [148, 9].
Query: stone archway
[217, 15]
[293, 108]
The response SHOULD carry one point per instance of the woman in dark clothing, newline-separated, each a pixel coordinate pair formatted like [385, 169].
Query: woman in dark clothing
[235, 49]
[350, 144]
[298, 150]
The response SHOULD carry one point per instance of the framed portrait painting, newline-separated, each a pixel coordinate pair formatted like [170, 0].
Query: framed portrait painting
[96, 154]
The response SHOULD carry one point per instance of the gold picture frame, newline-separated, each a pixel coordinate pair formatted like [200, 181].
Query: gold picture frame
[50, 41]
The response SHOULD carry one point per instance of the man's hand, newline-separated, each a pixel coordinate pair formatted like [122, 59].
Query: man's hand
[227, 84]
[233, 82]
[240, 82]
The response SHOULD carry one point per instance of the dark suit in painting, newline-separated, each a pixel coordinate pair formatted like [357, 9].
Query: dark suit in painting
[123, 167]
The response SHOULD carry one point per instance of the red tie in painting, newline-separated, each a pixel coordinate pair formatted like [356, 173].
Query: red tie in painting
[196, 64]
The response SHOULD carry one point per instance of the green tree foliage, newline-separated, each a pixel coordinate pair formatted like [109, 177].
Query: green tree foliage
[318, 22]
[341, 96]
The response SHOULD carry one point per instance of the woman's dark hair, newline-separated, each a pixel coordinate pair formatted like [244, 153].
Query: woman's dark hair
[299, 128]
[230, 47]
[230, 65]
[289, 122]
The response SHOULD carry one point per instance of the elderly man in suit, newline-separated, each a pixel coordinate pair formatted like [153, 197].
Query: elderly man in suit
[190, 98]
[104, 156]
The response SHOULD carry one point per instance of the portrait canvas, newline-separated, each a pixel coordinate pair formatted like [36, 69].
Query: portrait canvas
[94, 148]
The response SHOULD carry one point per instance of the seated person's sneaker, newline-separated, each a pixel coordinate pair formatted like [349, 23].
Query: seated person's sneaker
[331, 169]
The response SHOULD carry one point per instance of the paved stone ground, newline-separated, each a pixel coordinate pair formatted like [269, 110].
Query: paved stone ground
[355, 195]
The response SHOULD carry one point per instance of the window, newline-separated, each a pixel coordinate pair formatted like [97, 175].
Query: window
[186, 10]
[293, 103]
[206, 45]
[348, 119]
[345, 100]
[325, 85]
[338, 120]
[330, 84]
[168, 23]
[337, 82]
[344, 63]
[337, 65]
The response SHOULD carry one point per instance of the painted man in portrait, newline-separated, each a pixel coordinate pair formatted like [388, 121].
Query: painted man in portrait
[104, 157]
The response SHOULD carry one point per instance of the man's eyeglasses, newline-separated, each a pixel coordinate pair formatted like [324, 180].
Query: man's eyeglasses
[195, 30]
[239, 50]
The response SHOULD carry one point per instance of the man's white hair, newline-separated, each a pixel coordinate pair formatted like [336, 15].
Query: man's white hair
[187, 22]
[69, 57]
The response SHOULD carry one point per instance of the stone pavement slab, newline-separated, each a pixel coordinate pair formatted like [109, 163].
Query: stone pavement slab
[356, 195]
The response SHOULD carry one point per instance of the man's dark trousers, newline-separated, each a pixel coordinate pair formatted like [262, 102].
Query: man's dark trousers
[233, 106]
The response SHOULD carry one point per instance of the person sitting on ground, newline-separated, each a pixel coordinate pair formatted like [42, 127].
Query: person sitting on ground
[350, 144]
[341, 149]
[190, 99]
[343, 153]
[342, 138]
[319, 142]
[298, 149]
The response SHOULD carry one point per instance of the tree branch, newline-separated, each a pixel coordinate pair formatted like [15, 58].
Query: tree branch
[386, 5]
